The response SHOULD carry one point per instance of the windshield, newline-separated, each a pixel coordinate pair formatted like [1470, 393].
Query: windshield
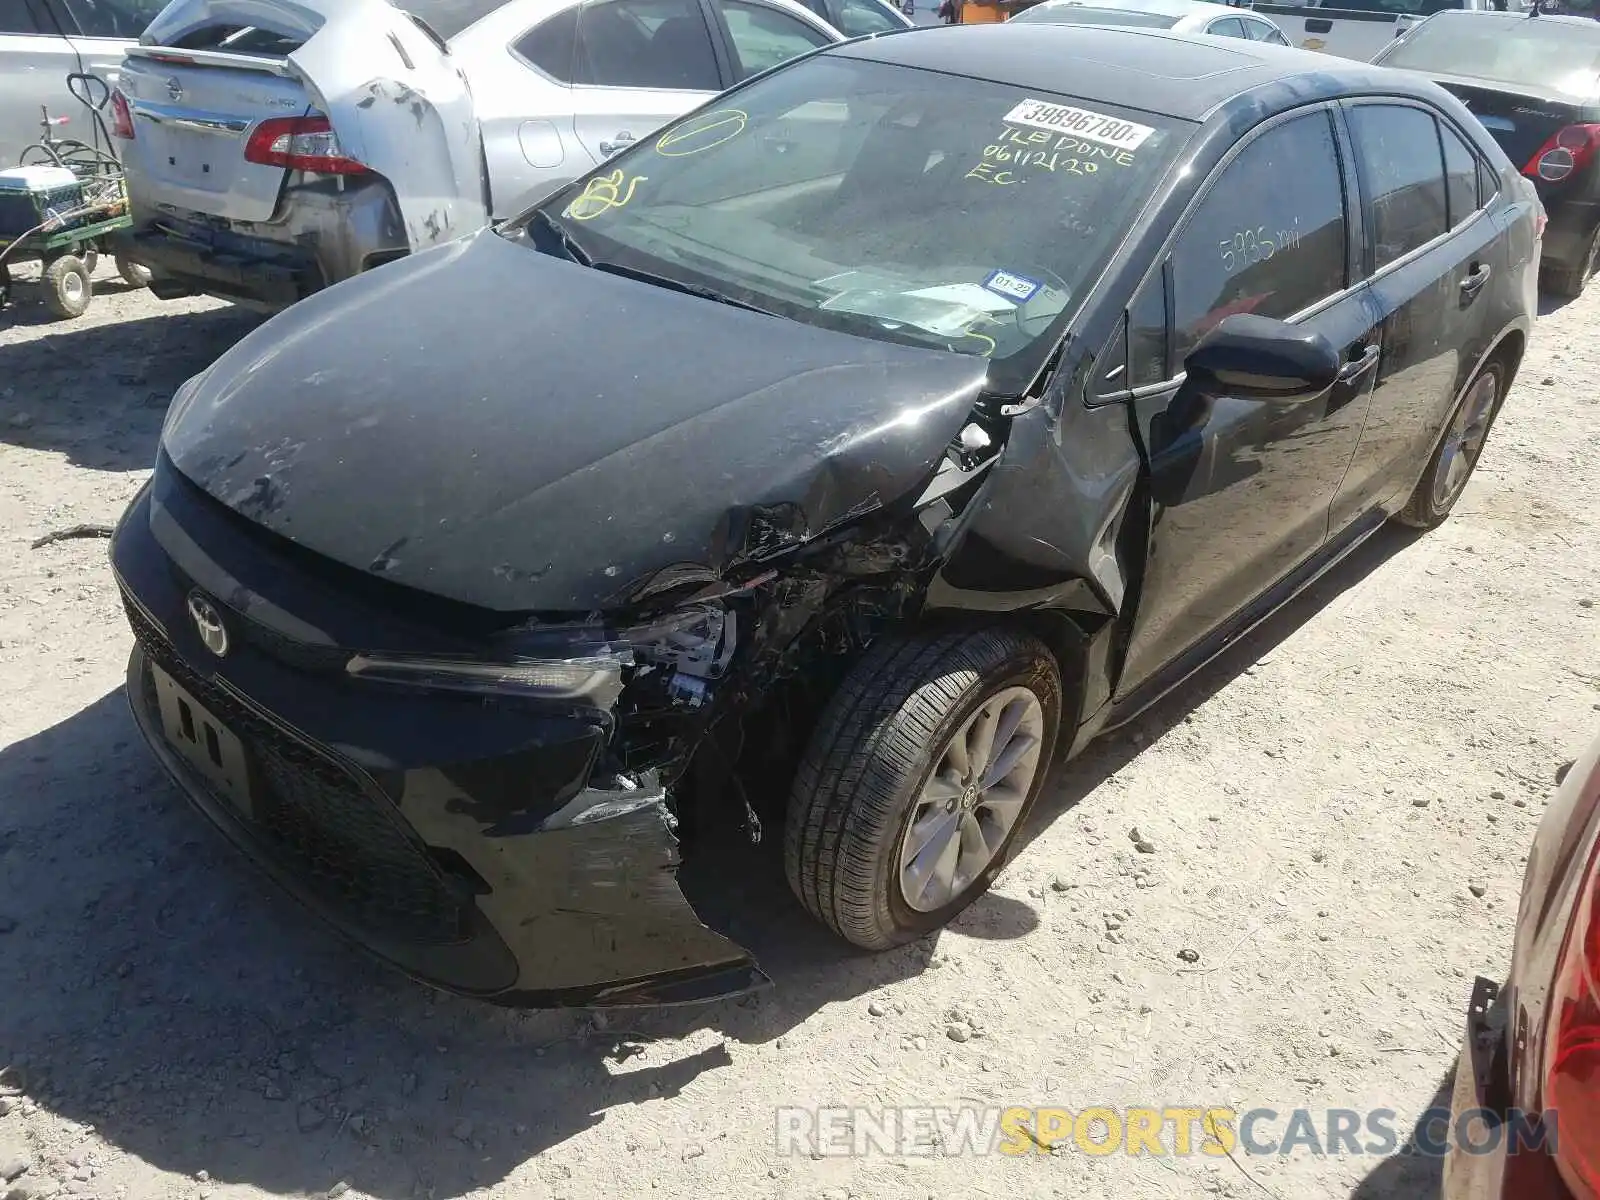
[890, 202]
[1077, 14]
[1527, 52]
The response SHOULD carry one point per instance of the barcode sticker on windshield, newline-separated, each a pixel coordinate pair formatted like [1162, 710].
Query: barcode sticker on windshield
[1080, 122]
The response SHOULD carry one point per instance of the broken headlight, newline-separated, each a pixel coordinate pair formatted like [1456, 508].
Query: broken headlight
[580, 663]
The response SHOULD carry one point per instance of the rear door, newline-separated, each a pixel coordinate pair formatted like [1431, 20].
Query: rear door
[217, 69]
[639, 64]
[1433, 249]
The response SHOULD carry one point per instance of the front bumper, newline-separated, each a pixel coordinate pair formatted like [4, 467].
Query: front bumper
[460, 840]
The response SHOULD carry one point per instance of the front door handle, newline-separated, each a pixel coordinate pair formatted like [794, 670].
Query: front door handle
[1360, 365]
[618, 141]
[1473, 284]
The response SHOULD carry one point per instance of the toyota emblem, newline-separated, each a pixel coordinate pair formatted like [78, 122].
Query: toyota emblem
[208, 623]
[174, 89]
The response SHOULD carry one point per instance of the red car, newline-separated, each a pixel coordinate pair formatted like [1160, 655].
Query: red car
[1525, 1115]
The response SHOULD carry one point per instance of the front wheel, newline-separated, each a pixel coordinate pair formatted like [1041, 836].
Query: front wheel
[1458, 451]
[921, 771]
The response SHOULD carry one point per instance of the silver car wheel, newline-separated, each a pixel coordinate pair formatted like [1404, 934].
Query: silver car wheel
[972, 798]
[1464, 442]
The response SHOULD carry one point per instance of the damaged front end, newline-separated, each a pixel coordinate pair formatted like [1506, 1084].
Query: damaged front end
[701, 697]
[501, 624]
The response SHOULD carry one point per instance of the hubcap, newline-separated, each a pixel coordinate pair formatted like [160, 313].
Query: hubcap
[972, 799]
[1464, 442]
[72, 288]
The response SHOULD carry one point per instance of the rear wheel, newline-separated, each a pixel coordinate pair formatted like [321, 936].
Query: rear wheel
[66, 286]
[1569, 282]
[133, 274]
[921, 771]
[1458, 451]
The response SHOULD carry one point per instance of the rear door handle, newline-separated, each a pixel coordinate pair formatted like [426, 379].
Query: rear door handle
[1359, 366]
[618, 141]
[1473, 284]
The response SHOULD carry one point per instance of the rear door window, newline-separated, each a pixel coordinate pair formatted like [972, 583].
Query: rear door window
[20, 18]
[1397, 148]
[552, 45]
[646, 44]
[1460, 176]
[1269, 235]
[763, 37]
[1227, 27]
[860, 17]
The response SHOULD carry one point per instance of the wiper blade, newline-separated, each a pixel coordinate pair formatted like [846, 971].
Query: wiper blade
[679, 285]
[568, 243]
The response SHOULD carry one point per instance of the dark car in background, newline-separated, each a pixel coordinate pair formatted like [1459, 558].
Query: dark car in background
[1527, 1086]
[902, 415]
[1534, 83]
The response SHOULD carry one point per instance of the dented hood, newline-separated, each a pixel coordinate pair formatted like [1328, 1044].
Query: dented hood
[511, 430]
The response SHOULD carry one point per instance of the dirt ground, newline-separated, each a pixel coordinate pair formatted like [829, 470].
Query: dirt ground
[1324, 807]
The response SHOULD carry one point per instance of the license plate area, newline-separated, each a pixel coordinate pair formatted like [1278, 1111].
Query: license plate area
[203, 741]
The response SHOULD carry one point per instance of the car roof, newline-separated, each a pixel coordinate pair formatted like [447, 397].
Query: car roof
[1174, 74]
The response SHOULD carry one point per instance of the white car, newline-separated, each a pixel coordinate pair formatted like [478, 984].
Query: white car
[274, 147]
[1180, 16]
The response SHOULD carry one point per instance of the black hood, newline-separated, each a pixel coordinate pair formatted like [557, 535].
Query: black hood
[510, 430]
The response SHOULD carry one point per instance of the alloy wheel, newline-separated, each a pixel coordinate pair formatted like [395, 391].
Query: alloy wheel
[965, 811]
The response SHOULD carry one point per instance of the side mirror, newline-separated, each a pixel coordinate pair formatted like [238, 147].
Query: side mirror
[1262, 359]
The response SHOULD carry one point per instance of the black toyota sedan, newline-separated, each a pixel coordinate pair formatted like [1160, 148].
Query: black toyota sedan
[823, 465]
[1533, 81]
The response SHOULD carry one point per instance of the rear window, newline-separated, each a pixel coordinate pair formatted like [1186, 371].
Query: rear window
[889, 202]
[1077, 14]
[238, 39]
[1561, 55]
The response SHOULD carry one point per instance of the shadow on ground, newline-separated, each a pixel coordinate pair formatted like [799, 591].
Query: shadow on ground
[1409, 1173]
[158, 990]
[98, 392]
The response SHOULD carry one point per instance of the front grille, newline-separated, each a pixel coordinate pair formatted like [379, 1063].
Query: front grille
[313, 817]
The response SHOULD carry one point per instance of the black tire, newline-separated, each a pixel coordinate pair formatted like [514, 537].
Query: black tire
[874, 747]
[1426, 509]
[133, 274]
[1569, 282]
[66, 286]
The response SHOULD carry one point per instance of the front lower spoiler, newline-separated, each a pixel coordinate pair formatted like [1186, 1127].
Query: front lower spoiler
[584, 911]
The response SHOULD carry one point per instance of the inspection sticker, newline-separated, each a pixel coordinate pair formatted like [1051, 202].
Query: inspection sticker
[1013, 287]
[1081, 122]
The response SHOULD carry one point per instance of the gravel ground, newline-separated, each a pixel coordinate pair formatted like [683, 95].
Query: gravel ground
[1324, 809]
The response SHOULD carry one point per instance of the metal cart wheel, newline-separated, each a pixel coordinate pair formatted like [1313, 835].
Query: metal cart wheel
[66, 286]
